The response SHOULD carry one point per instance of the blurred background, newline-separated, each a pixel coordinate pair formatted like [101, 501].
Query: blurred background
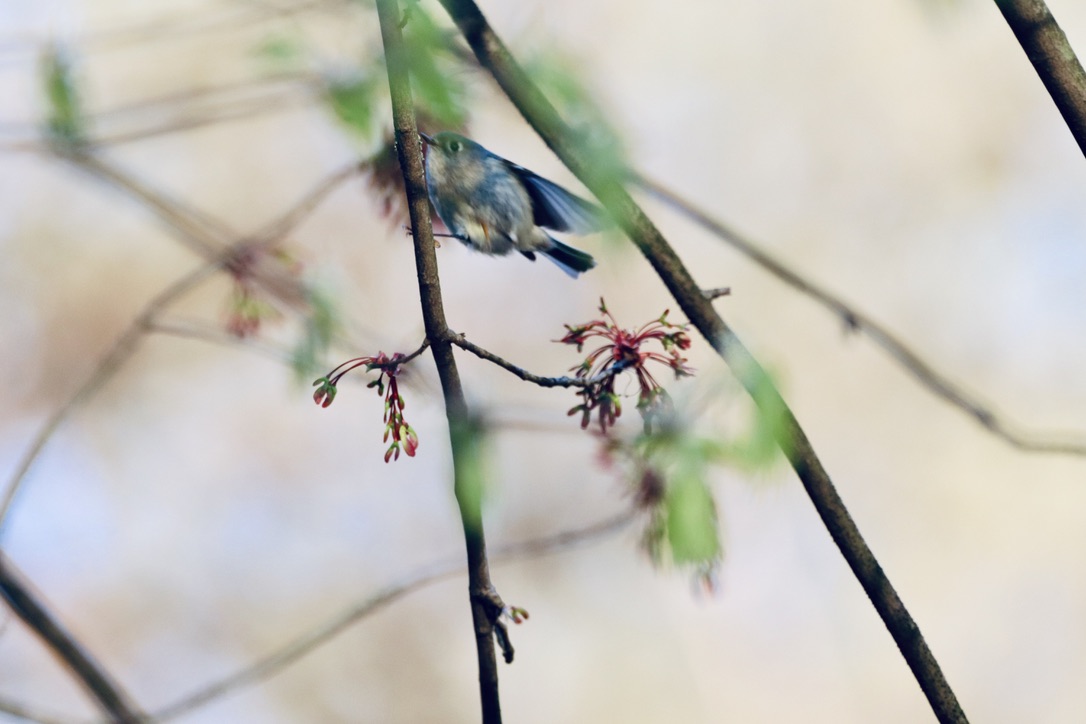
[195, 511]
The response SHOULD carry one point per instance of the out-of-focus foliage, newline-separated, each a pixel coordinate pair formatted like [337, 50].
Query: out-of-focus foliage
[353, 98]
[436, 70]
[559, 78]
[470, 440]
[318, 329]
[672, 483]
[281, 51]
[671, 465]
[64, 122]
[758, 447]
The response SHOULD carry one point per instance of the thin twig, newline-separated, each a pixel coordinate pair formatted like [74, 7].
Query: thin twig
[278, 229]
[544, 119]
[936, 382]
[273, 663]
[25, 713]
[214, 334]
[104, 371]
[256, 107]
[164, 27]
[27, 605]
[461, 341]
[203, 234]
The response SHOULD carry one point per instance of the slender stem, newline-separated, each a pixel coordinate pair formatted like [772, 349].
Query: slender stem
[1050, 52]
[409, 149]
[541, 115]
[121, 351]
[925, 372]
[26, 604]
[290, 652]
[461, 341]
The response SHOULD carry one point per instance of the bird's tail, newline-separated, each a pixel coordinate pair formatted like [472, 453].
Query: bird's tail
[571, 261]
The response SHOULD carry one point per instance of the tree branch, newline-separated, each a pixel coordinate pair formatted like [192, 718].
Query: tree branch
[484, 599]
[21, 598]
[273, 663]
[461, 341]
[936, 382]
[204, 235]
[541, 115]
[23, 713]
[1054, 60]
[119, 353]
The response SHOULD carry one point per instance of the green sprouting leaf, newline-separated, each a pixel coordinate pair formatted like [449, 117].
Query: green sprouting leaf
[64, 121]
[352, 99]
[683, 522]
[436, 70]
[768, 433]
[562, 81]
[469, 443]
[691, 519]
[317, 332]
[280, 50]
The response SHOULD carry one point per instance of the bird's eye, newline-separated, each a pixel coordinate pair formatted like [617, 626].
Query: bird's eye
[454, 146]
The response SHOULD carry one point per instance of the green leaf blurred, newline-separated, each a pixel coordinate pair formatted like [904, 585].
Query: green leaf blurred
[281, 51]
[319, 328]
[469, 442]
[760, 447]
[436, 70]
[64, 122]
[352, 99]
[691, 519]
[563, 82]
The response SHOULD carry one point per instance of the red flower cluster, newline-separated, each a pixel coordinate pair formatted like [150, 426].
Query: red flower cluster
[396, 427]
[621, 351]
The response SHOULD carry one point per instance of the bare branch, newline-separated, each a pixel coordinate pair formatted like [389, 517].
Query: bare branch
[321, 634]
[163, 27]
[936, 382]
[541, 115]
[214, 334]
[461, 341]
[483, 597]
[120, 353]
[27, 605]
[277, 230]
[1053, 58]
[204, 234]
[25, 713]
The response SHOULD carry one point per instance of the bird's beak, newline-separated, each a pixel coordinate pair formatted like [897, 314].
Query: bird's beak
[427, 139]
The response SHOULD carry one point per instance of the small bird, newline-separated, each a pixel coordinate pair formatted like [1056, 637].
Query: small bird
[496, 206]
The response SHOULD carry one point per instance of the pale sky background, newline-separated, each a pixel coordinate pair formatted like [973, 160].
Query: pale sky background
[200, 510]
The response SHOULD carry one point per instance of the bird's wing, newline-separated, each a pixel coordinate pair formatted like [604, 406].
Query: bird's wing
[555, 208]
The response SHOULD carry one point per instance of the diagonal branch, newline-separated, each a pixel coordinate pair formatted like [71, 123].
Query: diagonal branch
[541, 115]
[121, 352]
[26, 604]
[23, 713]
[206, 236]
[936, 382]
[275, 662]
[1054, 60]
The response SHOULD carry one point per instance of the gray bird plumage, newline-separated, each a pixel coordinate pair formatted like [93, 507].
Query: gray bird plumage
[496, 206]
